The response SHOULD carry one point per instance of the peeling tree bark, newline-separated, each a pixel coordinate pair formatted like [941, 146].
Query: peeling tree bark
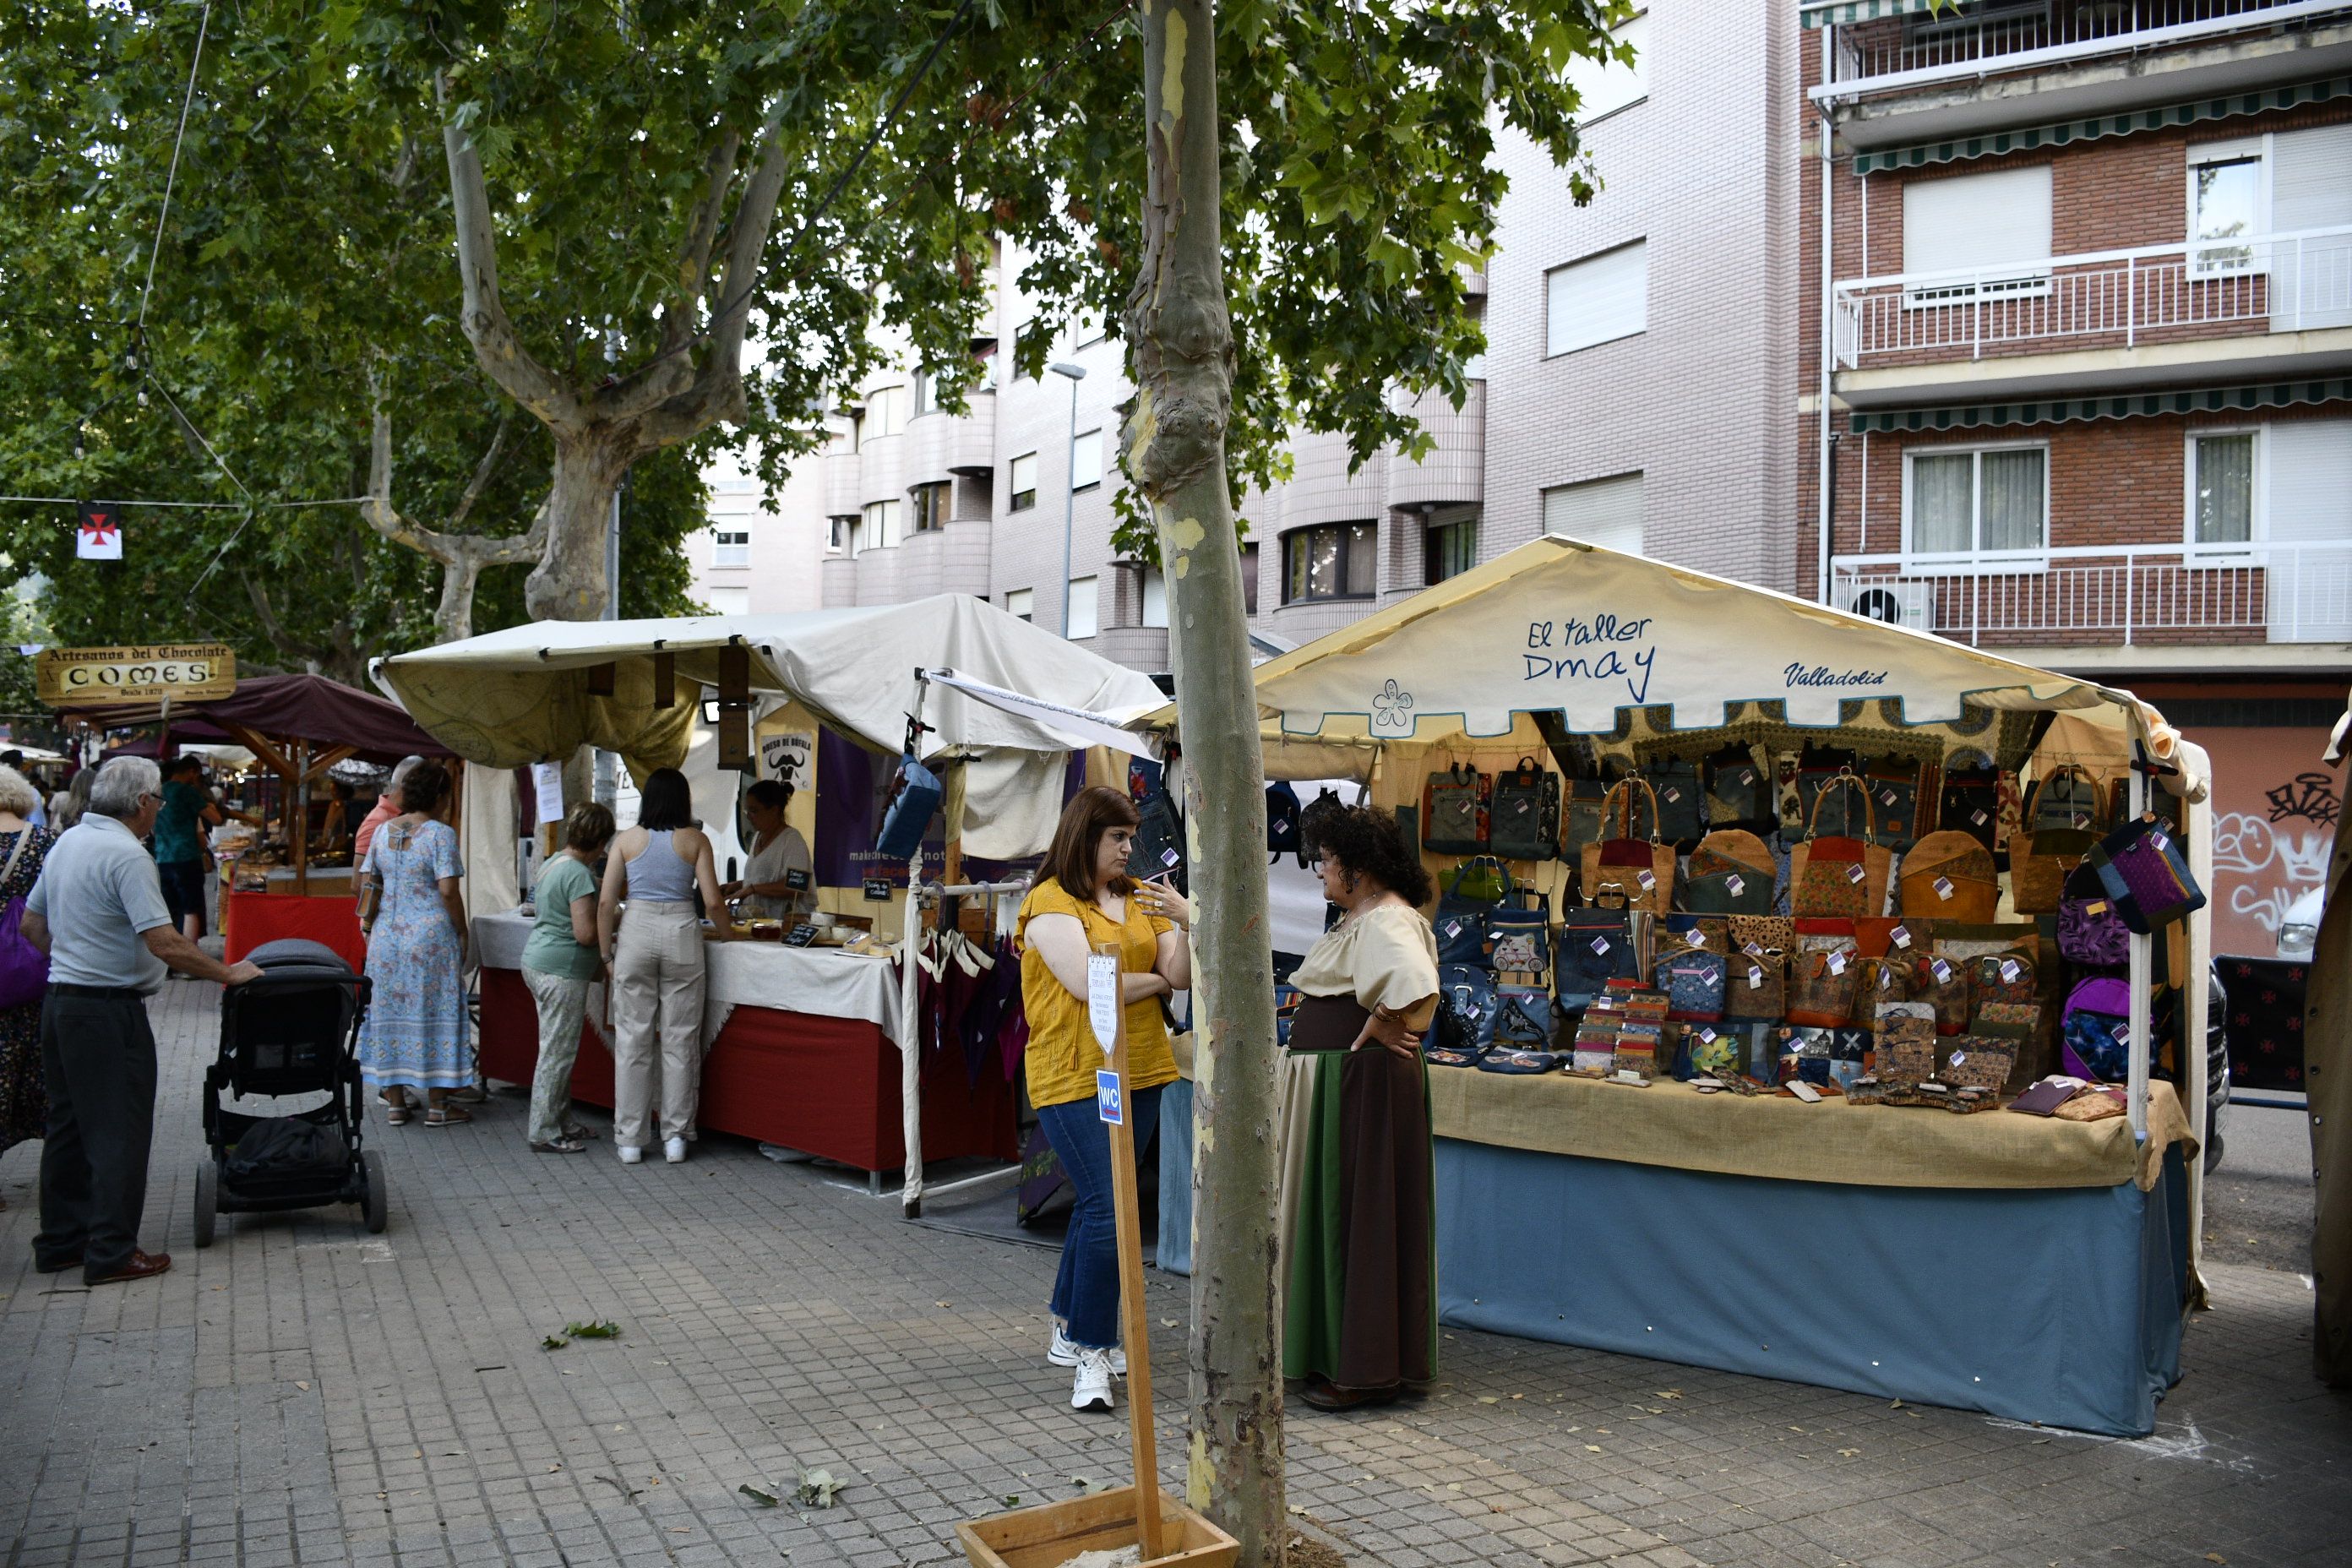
[1174, 443]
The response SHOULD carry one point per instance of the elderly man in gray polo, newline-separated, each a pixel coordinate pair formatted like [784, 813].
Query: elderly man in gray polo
[98, 912]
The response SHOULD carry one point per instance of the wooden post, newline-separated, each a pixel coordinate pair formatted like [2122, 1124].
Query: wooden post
[300, 820]
[1134, 1317]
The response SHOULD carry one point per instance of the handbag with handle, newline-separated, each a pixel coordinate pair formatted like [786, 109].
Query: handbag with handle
[1731, 873]
[1894, 786]
[2090, 931]
[1824, 985]
[1596, 946]
[1756, 985]
[1583, 818]
[2142, 870]
[1454, 812]
[2066, 796]
[1518, 935]
[1949, 875]
[1460, 924]
[1970, 803]
[1523, 813]
[1833, 877]
[24, 968]
[1637, 872]
[1739, 793]
[1682, 800]
[2044, 853]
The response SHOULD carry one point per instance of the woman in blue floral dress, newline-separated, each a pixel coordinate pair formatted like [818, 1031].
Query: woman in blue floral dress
[415, 1036]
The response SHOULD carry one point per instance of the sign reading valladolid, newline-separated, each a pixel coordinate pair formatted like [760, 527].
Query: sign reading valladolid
[143, 672]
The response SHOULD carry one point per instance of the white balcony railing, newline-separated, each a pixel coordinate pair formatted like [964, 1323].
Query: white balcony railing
[2100, 595]
[2118, 298]
[1968, 41]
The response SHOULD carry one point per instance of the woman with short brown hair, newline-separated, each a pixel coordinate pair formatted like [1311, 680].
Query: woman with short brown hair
[1084, 899]
[560, 961]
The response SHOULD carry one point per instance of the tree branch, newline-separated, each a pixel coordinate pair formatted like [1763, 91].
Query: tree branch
[483, 472]
[275, 630]
[501, 354]
[694, 256]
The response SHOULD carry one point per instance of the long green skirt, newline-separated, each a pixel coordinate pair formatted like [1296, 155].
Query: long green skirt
[1361, 1305]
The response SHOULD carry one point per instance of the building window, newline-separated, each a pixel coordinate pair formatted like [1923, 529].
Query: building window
[1087, 460]
[1606, 88]
[1597, 299]
[880, 529]
[1020, 604]
[886, 412]
[858, 431]
[932, 504]
[1336, 560]
[1607, 512]
[1084, 611]
[2222, 469]
[729, 601]
[1985, 224]
[1249, 579]
[836, 535]
[1155, 597]
[2225, 205]
[730, 547]
[927, 394]
[1450, 549]
[1975, 499]
[1023, 482]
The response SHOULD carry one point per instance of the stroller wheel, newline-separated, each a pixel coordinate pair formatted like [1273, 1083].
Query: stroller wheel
[207, 1201]
[377, 1193]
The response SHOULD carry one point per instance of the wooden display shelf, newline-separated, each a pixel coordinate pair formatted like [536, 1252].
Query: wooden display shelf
[1052, 1533]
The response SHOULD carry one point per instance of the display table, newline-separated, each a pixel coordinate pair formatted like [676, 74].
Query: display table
[2031, 1269]
[800, 1049]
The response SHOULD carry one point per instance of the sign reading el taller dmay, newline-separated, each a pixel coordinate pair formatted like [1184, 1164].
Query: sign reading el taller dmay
[144, 672]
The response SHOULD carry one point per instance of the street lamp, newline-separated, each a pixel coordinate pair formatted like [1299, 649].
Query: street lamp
[1076, 373]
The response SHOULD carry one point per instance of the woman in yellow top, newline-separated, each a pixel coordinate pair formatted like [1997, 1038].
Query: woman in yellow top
[1085, 898]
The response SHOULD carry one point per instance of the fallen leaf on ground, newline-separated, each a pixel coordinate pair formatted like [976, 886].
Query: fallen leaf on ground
[1849, 1452]
[765, 1500]
[624, 1489]
[1488, 1399]
[600, 1329]
[1897, 1406]
[1296, 1508]
[553, 1342]
[1166, 1323]
[303, 1387]
[1667, 1393]
[1012, 1500]
[1593, 1447]
[1086, 1484]
[2215, 1557]
[1798, 1429]
[817, 1488]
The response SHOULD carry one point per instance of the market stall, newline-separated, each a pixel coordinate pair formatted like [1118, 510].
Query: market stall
[1718, 1079]
[296, 727]
[809, 1046]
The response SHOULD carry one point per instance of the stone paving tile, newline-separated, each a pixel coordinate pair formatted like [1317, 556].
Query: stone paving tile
[304, 1395]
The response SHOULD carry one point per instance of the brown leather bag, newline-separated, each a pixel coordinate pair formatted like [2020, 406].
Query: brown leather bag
[1639, 872]
[1950, 875]
[1833, 877]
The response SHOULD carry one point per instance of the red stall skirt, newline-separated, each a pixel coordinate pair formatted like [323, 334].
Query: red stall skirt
[826, 1086]
[249, 919]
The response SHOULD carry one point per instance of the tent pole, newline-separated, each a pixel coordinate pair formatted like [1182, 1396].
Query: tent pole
[910, 1048]
[2136, 793]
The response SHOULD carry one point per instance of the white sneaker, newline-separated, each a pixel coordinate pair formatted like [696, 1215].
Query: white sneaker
[1060, 1351]
[1090, 1388]
[674, 1151]
[630, 1153]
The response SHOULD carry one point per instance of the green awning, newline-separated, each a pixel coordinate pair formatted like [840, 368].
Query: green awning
[2059, 410]
[1838, 12]
[1992, 144]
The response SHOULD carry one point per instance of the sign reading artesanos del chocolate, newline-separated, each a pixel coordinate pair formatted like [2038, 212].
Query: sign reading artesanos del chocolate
[143, 672]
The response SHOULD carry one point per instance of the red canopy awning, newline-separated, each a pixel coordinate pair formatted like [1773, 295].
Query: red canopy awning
[289, 708]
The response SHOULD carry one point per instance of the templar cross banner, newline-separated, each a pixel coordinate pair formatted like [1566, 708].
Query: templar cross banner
[99, 536]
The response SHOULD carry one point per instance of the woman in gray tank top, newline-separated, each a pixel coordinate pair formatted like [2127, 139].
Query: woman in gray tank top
[655, 955]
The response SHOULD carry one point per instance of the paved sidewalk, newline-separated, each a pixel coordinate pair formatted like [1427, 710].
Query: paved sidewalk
[305, 1393]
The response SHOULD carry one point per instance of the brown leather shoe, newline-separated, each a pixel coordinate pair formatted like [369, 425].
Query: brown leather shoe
[142, 1266]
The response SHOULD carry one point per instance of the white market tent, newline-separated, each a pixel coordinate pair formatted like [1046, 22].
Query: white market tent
[512, 698]
[1628, 650]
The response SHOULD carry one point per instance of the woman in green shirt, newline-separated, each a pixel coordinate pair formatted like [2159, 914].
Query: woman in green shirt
[559, 964]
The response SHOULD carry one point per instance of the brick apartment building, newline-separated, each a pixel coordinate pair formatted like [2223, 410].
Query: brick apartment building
[2088, 310]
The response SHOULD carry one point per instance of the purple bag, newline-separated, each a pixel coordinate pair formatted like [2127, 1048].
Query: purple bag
[2143, 872]
[2097, 1043]
[24, 968]
[2089, 930]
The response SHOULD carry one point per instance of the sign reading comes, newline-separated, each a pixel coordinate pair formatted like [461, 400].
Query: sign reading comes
[143, 672]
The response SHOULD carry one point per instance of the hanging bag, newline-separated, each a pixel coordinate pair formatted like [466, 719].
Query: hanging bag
[1740, 794]
[1681, 799]
[1583, 819]
[1894, 786]
[1949, 875]
[1694, 985]
[1454, 812]
[1596, 946]
[1970, 803]
[1518, 935]
[1731, 873]
[2095, 1030]
[2141, 869]
[1638, 872]
[1756, 985]
[1836, 877]
[1941, 983]
[1282, 821]
[2055, 841]
[24, 968]
[1523, 816]
[1463, 914]
[2090, 931]
[2066, 796]
[1823, 986]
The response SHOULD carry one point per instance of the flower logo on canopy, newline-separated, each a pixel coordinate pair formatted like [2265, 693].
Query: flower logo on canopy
[1392, 710]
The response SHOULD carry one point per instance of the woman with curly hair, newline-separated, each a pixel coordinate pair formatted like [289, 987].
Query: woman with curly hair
[1361, 1311]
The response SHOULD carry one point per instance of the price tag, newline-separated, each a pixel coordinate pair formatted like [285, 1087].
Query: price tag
[1520, 807]
[1169, 856]
[1736, 883]
[2122, 1034]
[1601, 944]
[2099, 908]
[1748, 775]
[1108, 1105]
[1755, 977]
[1943, 971]
[1887, 797]
[1958, 1057]
[1102, 998]
[1855, 872]
[1648, 880]
[2008, 971]
[1282, 823]
[1751, 949]
[1944, 888]
[1708, 1036]
[1977, 817]
[1697, 938]
[2156, 836]
[1837, 962]
[1673, 793]
[796, 881]
[1453, 928]
[877, 889]
[1900, 936]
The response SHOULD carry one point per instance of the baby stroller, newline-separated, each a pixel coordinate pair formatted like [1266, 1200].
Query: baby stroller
[295, 1030]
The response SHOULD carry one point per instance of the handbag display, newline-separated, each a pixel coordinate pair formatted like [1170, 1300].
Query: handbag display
[1454, 811]
[1731, 873]
[1583, 818]
[1694, 985]
[1970, 803]
[24, 968]
[2095, 1030]
[1818, 770]
[1460, 923]
[1822, 985]
[1949, 875]
[1905, 1049]
[1894, 786]
[2142, 870]
[1596, 946]
[2001, 977]
[1711, 1052]
[914, 799]
[1941, 984]
[1681, 800]
[1518, 936]
[1637, 872]
[1535, 1001]
[2043, 853]
[1523, 813]
[1976, 1061]
[1764, 933]
[1467, 1006]
[2065, 796]
[1740, 795]
[2089, 930]
[1756, 985]
[1836, 875]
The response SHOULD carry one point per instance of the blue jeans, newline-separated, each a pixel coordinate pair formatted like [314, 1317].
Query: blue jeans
[1085, 1292]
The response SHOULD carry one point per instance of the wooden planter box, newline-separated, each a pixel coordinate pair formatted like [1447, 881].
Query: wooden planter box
[1051, 1534]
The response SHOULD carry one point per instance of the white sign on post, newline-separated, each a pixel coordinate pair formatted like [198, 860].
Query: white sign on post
[547, 788]
[786, 758]
[1102, 998]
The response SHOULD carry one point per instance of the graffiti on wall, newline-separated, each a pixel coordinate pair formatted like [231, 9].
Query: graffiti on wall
[2264, 859]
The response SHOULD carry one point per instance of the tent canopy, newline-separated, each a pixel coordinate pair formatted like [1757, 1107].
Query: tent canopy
[289, 708]
[522, 695]
[1623, 647]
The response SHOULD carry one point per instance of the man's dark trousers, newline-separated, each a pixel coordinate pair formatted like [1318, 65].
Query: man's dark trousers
[99, 1055]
